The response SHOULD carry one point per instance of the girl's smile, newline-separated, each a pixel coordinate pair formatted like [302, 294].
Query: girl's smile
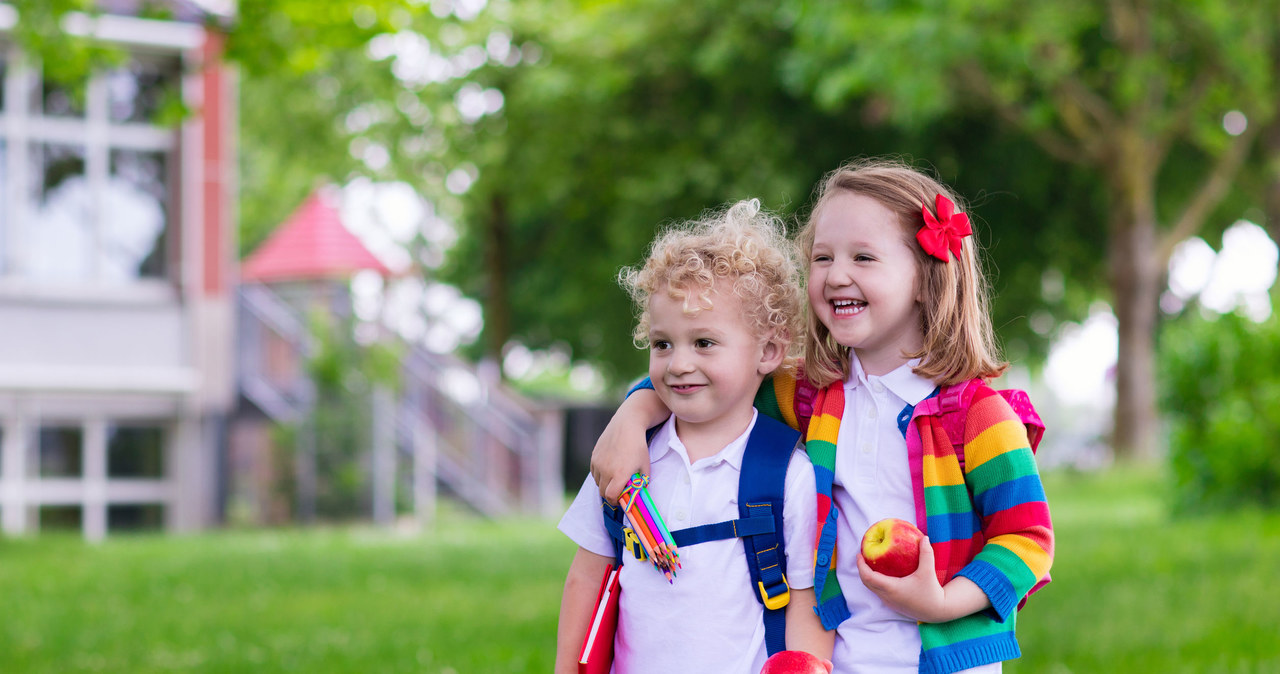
[847, 307]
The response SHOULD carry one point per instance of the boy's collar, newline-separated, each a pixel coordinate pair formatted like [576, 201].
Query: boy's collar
[665, 440]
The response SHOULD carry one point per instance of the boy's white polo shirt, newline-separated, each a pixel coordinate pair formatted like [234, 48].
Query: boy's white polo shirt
[708, 620]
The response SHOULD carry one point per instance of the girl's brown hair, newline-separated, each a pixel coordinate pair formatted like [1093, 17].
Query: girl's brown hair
[959, 343]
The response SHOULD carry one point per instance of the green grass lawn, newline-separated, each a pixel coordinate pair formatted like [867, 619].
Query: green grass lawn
[1136, 591]
[1133, 591]
[472, 596]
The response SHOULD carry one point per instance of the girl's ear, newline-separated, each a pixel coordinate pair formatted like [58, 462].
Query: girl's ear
[772, 355]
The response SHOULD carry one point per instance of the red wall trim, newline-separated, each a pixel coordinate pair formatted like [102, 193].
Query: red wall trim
[216, 191]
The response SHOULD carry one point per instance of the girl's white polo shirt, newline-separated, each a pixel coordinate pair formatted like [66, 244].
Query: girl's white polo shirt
[708, 620]
[872, 482]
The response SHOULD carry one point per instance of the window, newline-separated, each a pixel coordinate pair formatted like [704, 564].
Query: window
[135, 452]
[61, 451]
[60, 517]
[91, 200]
[57, 235]
[57, 99]
[140, 91]
[135, 517]
[137, 202]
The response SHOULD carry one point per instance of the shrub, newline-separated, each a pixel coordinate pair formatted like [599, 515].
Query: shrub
[1220, 390]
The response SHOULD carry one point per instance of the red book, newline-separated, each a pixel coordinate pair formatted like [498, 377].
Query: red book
[597, 647]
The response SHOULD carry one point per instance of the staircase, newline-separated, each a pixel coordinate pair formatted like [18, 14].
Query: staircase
[492, 450]
[496, 451]
[273, 346]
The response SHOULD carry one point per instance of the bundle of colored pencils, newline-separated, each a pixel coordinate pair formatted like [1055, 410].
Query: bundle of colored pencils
[644, 519]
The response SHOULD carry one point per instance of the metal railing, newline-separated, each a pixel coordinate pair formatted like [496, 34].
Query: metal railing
[491, 449]
[273, 347]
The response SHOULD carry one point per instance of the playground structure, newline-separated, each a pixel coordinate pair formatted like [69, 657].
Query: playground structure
[443, 428]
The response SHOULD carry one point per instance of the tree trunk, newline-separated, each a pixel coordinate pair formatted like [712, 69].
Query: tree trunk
[1135, 285]
[497, 259]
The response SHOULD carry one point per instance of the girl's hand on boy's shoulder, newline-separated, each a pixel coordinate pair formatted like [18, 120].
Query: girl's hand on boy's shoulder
[612, 466]
[621, 450]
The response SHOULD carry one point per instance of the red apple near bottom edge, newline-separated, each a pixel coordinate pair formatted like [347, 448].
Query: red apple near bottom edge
[795, 662]
[892, 547]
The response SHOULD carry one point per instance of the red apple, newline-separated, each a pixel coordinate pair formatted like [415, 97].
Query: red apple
[795, 662]
[892, 547]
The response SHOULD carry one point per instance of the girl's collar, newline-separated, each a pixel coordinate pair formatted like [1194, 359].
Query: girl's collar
[902, 382]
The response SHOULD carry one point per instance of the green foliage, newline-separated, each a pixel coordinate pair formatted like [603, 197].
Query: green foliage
[65, 59]
[617, 118]
[301, 36]
[340, 428]
[1221, 396]
[643, 113]
[305, 70]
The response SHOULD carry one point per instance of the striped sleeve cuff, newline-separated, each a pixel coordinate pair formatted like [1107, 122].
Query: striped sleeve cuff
[998, 588]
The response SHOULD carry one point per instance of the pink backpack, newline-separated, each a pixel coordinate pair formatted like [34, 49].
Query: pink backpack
[953, 409]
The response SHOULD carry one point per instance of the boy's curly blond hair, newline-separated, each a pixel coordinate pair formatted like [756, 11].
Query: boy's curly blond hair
[742, 244]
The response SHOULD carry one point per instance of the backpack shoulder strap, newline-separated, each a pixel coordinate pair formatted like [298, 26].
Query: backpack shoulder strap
[760, 498]
[953, 410]
[613, 524]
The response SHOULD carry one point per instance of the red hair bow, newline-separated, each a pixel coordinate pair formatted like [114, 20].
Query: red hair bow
[943, 233]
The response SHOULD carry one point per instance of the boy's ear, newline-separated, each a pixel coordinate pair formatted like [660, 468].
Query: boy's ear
[772, 355]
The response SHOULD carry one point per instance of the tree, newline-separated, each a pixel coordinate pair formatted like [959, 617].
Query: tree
[1136, 91]
[637, 114]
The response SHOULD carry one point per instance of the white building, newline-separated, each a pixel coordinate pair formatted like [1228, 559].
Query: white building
[117, 273]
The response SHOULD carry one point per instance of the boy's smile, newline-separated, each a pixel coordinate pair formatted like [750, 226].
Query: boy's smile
[707, 365]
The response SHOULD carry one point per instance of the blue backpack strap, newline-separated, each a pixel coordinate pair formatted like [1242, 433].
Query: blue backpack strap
[760, 502]
[749, 526]
[613, 524]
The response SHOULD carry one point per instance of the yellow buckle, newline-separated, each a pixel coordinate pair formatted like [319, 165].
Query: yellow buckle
[775, 603]
[633, 544]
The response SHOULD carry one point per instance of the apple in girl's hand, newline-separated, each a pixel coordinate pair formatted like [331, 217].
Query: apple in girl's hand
[892, 547]
[795, 662]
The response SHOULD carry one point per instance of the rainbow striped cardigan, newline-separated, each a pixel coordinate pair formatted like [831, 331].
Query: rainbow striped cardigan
[985, 511]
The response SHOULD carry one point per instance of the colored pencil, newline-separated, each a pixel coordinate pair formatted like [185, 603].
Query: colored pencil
[662, 525]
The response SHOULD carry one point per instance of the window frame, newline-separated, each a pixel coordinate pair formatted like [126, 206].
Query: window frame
[25, 132]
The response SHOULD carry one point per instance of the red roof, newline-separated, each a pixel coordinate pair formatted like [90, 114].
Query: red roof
[312, 244]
